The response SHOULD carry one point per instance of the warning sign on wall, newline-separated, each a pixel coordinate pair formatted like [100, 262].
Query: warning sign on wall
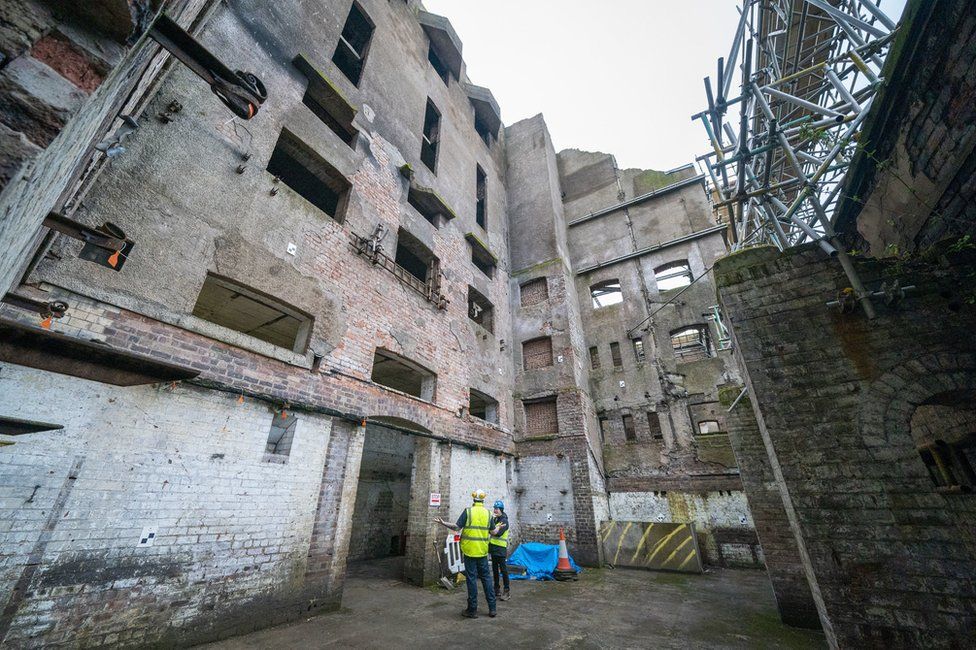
[435, 499]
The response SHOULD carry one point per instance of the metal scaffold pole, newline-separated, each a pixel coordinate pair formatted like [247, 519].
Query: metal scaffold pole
[808, 71]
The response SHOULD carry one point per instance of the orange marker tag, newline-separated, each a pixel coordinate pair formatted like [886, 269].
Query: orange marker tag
[240, 400]
[113, 259]
[46, 323]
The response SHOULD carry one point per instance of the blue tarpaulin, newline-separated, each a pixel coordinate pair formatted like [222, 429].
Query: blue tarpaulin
[538, 559]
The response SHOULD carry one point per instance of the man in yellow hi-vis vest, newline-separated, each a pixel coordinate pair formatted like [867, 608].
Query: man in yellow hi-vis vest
[473, 524]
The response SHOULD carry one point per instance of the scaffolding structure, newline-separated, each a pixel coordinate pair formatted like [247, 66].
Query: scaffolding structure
[781, 147]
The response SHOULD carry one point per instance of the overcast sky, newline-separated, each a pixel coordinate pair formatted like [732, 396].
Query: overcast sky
[618, 76]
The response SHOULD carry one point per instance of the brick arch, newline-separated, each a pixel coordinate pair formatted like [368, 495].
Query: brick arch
[890, 401]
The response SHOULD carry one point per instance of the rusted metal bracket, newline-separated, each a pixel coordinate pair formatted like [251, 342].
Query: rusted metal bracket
[241, 92]
[53, 309]
[105, 245]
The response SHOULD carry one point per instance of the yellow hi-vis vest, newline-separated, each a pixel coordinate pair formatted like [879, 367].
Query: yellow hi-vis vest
[501, 540]
[474, 535]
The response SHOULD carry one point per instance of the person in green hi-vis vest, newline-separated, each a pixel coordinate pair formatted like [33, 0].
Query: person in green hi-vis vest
[473, 524]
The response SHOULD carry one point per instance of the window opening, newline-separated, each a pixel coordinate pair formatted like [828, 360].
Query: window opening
[673, 276]
[402, 374]
[709, 426]
[950, 465]
[480, 310]
[603, 423]
[442, 70]
[431, 137]
[606, 293]
[654, 425]
[353, 45]
[533, 292]
[630, 431]
[537, 353]
[481, 197]
[639, 350]
[482, 406]
[618, 361]
[309, 175]
[327, 102]
[282, 433]
[414, 258]
[234, 306]
[690, 343]
[594, 358]
[541, 417]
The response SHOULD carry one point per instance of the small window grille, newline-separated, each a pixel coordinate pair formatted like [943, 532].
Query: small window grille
[594, 358]
[630, 431]
[618, 361]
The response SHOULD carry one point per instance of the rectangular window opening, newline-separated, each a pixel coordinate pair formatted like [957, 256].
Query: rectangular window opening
[442, 70]
[673, 275]
[541, 417]
[353, 46]
[234, 306]
[654, 425]
[630, 431]
[481, 196]
[402, 374]
[537, 353]
[325, 113]
[431, 137]
[533, 292]
[709, 426]
[594, 358]
[690, 343]
[606, 293]
[639, 350]
[618, 361]
[483, 261]
[603, 422]
[415, 258]
[309, 175]
[482, 406]
[282, 433]
[480, 310]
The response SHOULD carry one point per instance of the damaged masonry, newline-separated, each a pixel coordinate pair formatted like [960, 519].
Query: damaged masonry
[280, 288]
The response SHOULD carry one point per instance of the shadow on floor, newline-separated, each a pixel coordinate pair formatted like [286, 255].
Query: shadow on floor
[605, 608]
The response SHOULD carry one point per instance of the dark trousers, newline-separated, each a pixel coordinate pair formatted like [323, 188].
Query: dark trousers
[499, 562]
[476, 568]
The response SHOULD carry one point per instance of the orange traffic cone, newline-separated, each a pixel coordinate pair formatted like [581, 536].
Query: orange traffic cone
[564, 570]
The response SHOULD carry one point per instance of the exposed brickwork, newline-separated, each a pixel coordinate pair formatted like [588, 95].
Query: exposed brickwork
[537, 353]
[533, 292]
[882, 546]
[541, 418]
[783, 562]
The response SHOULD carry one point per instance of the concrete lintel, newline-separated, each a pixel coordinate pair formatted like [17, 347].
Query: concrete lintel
[443, 39]
[486, 109]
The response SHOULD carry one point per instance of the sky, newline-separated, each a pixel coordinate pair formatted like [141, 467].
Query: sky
[619, 76]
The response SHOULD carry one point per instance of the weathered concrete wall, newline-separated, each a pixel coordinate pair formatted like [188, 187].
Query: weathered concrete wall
[231, 528]
[882, 545]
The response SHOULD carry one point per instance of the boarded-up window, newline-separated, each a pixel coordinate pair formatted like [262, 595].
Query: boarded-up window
[540, 417]
[618, 361]
[630, 431]
[606, 293]
[537, 353]
[690, 343]
[250, 312]
[534, 291]
[595, 358]
[654, 425]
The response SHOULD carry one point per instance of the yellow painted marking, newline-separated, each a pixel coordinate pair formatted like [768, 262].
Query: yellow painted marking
[660, 545]
[608, 530]
[640, 545]
[620, 541]
[676, 549]
[688, 559]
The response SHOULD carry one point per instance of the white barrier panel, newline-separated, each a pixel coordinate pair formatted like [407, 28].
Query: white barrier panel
[452, 549]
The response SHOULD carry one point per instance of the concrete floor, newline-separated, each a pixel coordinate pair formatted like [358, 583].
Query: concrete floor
[606, 608]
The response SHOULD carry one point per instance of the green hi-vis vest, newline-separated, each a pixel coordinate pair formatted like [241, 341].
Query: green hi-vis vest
[474, 536]
[501, 540]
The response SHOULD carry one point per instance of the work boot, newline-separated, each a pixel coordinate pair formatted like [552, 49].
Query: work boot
[507, 595]
[469, 614]
[491, 614]
[502, 596]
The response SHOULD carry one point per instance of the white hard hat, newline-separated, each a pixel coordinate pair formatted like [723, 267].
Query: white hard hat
[479, 495]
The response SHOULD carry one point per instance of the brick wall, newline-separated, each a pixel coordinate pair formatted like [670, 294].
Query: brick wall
[783, 562]
[882, 546]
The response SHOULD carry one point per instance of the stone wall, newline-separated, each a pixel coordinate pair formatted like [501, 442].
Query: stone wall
[882, 545]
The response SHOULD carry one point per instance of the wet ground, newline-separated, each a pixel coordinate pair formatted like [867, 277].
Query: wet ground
[605, 608]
